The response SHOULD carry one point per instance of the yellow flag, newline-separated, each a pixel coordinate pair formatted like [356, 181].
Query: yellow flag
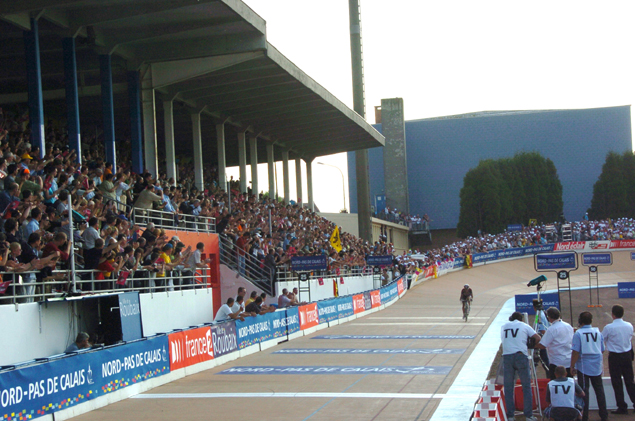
[335, 240]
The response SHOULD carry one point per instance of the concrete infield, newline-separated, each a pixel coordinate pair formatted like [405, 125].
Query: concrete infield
[429, 309]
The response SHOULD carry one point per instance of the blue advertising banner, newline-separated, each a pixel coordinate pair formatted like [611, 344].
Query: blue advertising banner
[338, 370]
[327, 311]
[539, 249]
[459, 262]
[632, 255]
[379, 260]
[556, 261]
[515, 227]
[524, 302]
[303, 263]
[626, 289]
[597, 259]
[130, 312]
[345, 306]
[224, 338]
[50, 387]
[293, 320]
[253, 330]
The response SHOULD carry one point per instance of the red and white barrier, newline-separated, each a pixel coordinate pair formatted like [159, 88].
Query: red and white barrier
[491, 403]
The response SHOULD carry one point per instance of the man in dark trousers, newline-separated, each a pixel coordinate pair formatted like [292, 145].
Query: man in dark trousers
[617, 337]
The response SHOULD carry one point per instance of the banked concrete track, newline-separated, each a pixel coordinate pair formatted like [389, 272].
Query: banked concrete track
[363, 392]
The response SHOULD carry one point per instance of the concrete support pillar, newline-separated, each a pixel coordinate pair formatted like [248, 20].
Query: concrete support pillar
[34, 87]
[170, 157]
[198, 151]
[309, 183]
[72, 97]
[107, 108]
[298, 179]
[149, 123]
[285, 175]
[220, 148]
[271, 171]
[253, 155]
[136, 134]
[242, 161]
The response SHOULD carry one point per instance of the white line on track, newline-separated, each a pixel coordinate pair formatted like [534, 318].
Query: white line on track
[422, 318]
[296, 395]
[421, 324]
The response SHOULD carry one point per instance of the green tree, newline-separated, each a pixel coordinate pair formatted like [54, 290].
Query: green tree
[614, 192]
[509, 190]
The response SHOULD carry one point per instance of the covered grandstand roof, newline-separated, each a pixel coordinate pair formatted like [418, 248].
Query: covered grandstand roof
[210, 55]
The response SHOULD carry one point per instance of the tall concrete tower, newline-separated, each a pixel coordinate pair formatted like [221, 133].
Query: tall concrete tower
[393, 128]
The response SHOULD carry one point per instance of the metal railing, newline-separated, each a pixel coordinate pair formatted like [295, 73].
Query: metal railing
[175, 221]
[25, 288]
[247, 265]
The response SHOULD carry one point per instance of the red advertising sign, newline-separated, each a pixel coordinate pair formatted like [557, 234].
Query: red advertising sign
[429, 271]
[400, 286]
[375, 298]
[623, 244]
[569, 245]
[358, 303]
[308, 316]
[190, 347]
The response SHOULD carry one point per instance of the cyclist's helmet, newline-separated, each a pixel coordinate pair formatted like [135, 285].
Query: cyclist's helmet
[466, 286]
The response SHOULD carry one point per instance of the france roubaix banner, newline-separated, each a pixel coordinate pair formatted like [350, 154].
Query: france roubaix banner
[50, 387]
[626, 289]
[189, 347]
[224, 338]
[524, 302]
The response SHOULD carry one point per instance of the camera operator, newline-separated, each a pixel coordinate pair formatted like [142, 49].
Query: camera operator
[515, 335]
[557, 342]
[587, 347]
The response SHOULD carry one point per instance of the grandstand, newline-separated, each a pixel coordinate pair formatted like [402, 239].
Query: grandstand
[105, 232]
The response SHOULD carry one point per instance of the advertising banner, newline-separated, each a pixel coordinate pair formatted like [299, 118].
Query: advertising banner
[400, 286]
[43, 389]
[358, 303]
[556, 261]
[524, 302]
[307, 263]
[626, 289]
[444, 267]
[253, 330]
[409, 370]
[190, 347]
[345, 307]
[379, 260]
[224, 338]
[539, 249]
[459, 262]
[327, 311]
[375, 298]
[582, 245]
[622, 244]
[308, 316]
[597, 259]
[367, 303]
[515, 227]
[130, 312]
[293, 320]
[394, 291]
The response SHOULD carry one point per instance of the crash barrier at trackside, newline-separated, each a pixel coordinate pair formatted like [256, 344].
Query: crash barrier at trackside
[67, 385]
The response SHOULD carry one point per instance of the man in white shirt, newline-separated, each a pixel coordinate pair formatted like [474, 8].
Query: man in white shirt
[617, 337]
[194, 263]
[557, 342]
[225, 312]
[91, 234]
[514, 336]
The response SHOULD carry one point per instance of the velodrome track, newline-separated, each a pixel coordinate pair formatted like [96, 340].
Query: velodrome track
[431, 308]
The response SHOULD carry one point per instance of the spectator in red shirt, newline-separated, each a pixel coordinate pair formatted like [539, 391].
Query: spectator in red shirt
[242, 244]
[56, 245]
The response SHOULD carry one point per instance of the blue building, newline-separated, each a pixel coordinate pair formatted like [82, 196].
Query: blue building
[441, 150]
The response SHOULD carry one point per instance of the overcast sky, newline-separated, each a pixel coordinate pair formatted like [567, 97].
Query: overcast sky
[452, 57]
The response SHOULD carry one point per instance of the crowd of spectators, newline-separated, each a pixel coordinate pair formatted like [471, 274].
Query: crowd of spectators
[402, 218]
[39, 197]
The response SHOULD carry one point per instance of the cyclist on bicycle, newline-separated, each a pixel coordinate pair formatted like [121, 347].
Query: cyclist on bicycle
[466, 299]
